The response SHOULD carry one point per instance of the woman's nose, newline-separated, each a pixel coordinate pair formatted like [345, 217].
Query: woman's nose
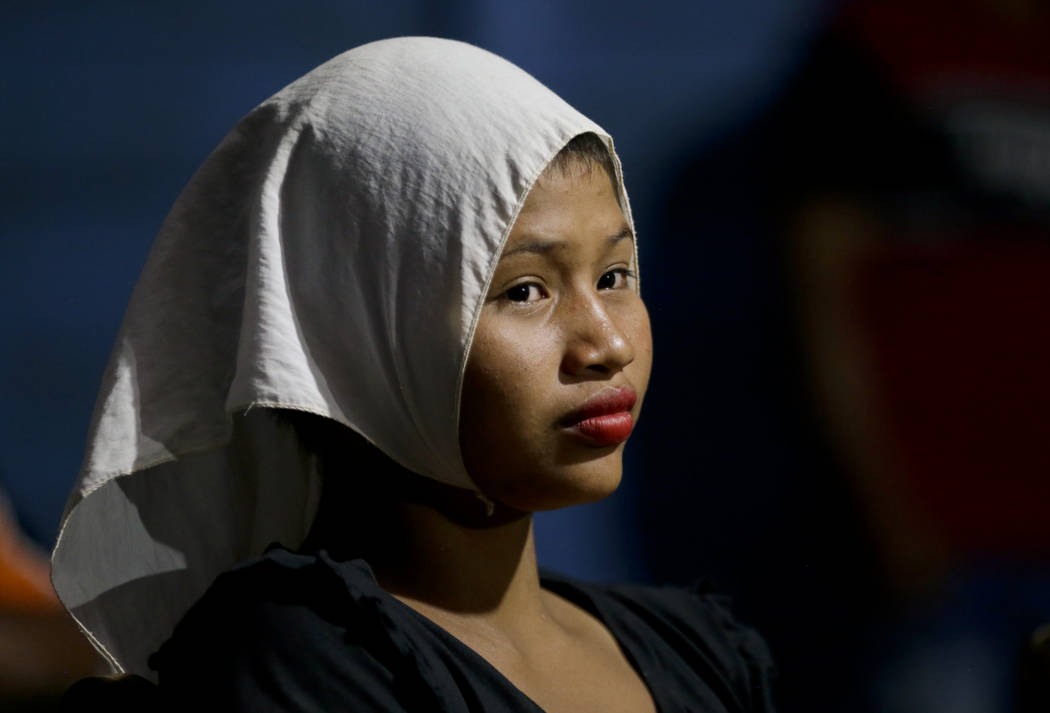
[595, 343]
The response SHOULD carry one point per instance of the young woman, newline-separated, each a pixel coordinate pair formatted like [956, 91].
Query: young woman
[395, 313]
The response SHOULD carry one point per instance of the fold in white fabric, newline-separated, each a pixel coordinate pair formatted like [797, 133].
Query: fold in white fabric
[331, 255]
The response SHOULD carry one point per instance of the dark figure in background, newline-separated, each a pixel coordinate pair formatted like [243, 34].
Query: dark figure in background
[885, 332]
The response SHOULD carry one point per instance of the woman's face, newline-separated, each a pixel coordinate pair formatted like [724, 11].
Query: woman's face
[562, 351]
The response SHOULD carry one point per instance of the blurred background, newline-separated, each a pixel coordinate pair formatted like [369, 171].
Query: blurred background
[844, 225]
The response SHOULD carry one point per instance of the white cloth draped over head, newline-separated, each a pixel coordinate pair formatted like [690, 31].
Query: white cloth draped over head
[332, 256]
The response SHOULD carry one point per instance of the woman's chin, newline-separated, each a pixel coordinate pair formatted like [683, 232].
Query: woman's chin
[576, 484]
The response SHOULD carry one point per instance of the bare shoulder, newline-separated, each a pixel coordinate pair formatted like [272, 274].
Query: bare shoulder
[579, 623]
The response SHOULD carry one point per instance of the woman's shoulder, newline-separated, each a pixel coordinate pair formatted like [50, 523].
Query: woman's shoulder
[691, 629]
[694, 611]
[281, 576]
[242, 645]
[272, 596]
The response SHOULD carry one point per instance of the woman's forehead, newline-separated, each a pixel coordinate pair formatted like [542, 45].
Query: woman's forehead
[566, 210]
[530, 244]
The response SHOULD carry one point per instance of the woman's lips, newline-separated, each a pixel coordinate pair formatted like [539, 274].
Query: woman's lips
[608, 430]
[605, 418]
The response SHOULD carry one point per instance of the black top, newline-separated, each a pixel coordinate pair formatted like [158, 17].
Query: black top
[293, 632]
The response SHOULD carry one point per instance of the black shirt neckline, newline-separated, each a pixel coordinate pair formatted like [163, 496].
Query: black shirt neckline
[568, 589]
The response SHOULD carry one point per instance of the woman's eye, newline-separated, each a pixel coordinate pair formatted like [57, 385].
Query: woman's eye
[526, 292]
[614, 279]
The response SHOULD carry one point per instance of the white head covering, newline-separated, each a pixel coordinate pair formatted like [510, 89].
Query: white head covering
[332, 255]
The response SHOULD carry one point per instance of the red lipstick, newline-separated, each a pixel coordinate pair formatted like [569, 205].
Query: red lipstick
[605, 418]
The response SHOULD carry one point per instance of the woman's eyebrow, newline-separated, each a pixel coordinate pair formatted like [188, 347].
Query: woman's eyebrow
[625, 233]
[545, 247]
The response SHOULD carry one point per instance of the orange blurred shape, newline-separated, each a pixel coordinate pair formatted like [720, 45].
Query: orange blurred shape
[25, 584]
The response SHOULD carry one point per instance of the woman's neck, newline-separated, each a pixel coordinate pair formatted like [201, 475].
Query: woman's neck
[455, 557]
[461, 574]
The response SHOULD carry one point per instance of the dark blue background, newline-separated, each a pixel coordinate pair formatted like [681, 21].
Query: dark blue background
[110, 106]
